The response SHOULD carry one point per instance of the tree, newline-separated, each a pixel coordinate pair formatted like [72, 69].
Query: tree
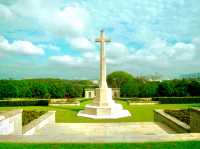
[194, 88]
[8, 89]
[130, 89]
[149, 89]
[181, 87]
[39, 90]
[118, 79]
[73, 90]
[56, 90]
[166, 88]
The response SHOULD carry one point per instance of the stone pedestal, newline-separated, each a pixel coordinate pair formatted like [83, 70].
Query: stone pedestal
[104, 107]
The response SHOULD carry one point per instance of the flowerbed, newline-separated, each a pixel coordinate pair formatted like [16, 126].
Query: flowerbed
[182, 115]
[28, 116]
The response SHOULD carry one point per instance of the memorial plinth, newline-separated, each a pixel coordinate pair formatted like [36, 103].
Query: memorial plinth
[103, 106]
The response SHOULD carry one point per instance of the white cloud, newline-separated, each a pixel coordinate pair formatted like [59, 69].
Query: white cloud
[5, 13]
[153, 26]
[66, 59]
[161, 49]
[183, 51]
[71, 21]
[163, 57]
[20, 47]
[81, 43]
[50, 47]
[116, 50]
[91, 55]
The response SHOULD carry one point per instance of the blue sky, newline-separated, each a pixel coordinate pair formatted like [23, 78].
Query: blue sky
[44, 38]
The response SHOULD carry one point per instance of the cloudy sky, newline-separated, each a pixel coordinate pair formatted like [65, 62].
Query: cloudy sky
[46, 38]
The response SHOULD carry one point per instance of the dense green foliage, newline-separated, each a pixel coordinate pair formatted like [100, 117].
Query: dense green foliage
[118, 78]
[182, 115]
[139, 87]
[28, 116]
[152, 145]
[130, 87]
[27, 102]
[175, 100]
[42, 88]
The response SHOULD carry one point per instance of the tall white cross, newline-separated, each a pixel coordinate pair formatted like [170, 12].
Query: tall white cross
[102, 40]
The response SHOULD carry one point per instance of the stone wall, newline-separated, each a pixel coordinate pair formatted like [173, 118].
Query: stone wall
[195, 120]
[32, 127]
[116, 92]
[90, 93]
[172, 122]
[11, 122]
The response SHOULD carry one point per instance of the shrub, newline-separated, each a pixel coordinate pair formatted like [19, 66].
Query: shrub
[182, 115]
[34, 102]
[176, 100]
[28, 116]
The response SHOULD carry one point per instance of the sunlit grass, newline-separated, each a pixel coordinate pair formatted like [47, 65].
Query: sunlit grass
[160, 145]
[140, 113]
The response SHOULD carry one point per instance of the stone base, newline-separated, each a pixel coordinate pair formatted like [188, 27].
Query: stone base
[106, 112]
[121, 114]
[104, 107]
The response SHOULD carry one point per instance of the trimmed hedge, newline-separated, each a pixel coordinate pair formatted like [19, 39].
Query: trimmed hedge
[36, 102]
[176, 100]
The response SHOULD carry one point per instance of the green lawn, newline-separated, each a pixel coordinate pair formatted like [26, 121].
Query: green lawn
[160, 145]
[140, 113]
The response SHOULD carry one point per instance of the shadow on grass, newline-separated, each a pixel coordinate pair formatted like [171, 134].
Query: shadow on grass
[67, 108]
[75, 110]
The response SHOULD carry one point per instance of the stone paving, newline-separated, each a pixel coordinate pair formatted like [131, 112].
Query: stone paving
[105, 129]
[102, 133]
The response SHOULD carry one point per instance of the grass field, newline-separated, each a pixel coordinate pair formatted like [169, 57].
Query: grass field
[160, 145]
[140, 113]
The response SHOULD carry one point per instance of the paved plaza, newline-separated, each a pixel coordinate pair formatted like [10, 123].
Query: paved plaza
[105, 129]
[102, 133]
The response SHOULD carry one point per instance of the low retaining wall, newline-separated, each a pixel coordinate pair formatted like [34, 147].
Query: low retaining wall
[48, 118]
[11, 122]
[172, 122]
[195, 120]
[144, 103]
[63, 102]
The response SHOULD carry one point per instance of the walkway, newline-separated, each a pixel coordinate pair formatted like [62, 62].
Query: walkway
[102, 133]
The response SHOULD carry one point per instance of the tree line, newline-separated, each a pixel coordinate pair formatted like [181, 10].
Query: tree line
[42, 88]
[129, 85]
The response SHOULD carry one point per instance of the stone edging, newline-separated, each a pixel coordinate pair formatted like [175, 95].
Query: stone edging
[196, 109]
[65, 104]
[174, 123]
[143, 103]
[7, 114]
[47, 118]
[195, 120]
[11, 122]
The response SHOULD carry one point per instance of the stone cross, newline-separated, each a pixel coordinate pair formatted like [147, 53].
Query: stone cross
[102, 40]
[103, 106]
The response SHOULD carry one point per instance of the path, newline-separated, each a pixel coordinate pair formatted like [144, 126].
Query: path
[102, 133]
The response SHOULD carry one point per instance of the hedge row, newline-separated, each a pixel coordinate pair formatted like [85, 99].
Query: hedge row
[176, 100]
[39, 102]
